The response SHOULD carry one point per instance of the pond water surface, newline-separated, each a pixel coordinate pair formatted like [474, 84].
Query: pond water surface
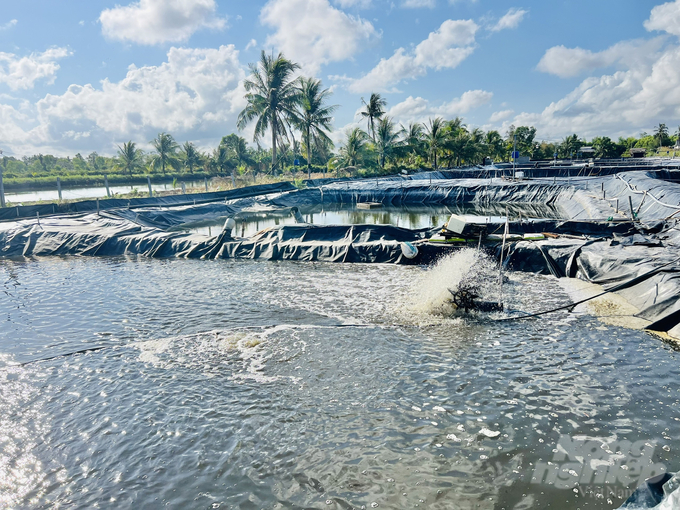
[240, 384]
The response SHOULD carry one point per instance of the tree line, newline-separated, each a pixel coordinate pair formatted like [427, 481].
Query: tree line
[296, 113]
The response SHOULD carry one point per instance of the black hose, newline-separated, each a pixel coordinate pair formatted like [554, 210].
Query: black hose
[621, 286]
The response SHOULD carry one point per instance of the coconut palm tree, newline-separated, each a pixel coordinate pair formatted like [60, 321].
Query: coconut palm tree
[166, 152]
[237, 153]
[192, 157]
[495, 147]
[237, 148]
[375, 109]
[413, 141]
[272, 98]
[661, 133]
[354, 150]
[130, 157]
[221, 161]
[314, 116]
[387, 139]
[435, 138]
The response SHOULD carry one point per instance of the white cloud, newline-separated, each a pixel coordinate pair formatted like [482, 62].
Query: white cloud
[446, 47]
[8, 25]
[665, 17]
[510, 20]
[196, 95]
[643, 93]
[159, 21]
[415, 4]
[23, 72]
[251, 44]
[622, 103]
[362, 4]
[419, 109]
[501, 115]
[314, 33]
[568, 62]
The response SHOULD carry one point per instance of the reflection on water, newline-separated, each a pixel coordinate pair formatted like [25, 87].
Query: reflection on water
[89, 192]
[413, 217]
[238, 384]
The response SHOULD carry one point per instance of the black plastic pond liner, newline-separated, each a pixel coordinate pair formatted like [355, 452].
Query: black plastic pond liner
[611, 261]
[570, 199]
[109, 235]
[336, 243]
[649, 494]
[606, 251]
[31, 211]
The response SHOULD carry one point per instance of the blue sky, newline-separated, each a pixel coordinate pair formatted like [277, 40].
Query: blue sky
[78, 76]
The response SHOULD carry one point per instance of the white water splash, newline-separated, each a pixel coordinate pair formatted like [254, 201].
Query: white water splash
[430, 295]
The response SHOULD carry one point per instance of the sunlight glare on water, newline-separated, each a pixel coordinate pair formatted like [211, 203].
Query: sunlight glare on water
[240, 384]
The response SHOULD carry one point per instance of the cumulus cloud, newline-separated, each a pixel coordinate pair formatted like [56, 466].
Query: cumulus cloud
[314, 33]
[415, 4]
[665, 18]
[418, 109]
[621, 103]
[501, 115]
[512, 19]
[363, 4]
[196, 94]
[23, 72]
[159, 21]
[446, 47]
[568, 62]
[643, 92]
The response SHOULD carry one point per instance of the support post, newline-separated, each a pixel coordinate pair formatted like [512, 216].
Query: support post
[2, 191]
[184, 188]
[206, 184]
[106, 184]
[148, 180]
[632, 211]
[59, 187]
[617, 206]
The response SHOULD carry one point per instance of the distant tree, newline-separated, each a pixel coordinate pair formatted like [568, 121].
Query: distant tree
[494, 146]
[166, 152]
[525, 137]
[647, 141]
[221, 161]
[41, 158]
[569, 146]
[130, 157]
[93, 160]
[272, 98]
[606, 148]
[375, 109]
[413, 138]
[435, 138]
[353, 151]
[315, 117]
[192, 158]
[237, 153]
[387, 139]
[661, 134]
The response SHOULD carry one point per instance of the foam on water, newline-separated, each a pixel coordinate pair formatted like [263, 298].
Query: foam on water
[430, 294]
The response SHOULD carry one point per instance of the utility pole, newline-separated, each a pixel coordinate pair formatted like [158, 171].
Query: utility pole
[514, 155]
